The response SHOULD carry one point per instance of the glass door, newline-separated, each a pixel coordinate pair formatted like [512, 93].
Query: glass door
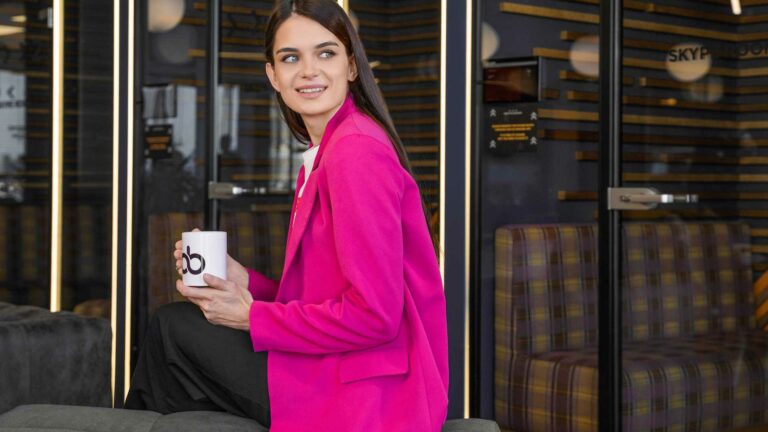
[257, 159]
[25, 134]
[27, 185]
[693, 209]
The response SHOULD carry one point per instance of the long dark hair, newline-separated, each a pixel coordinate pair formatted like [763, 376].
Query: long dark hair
[366, 93]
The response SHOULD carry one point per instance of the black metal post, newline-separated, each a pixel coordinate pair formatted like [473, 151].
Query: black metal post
[213, 105]
[609, 289]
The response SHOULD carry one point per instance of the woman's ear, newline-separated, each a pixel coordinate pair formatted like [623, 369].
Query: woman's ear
[352, 69]
[271, 75]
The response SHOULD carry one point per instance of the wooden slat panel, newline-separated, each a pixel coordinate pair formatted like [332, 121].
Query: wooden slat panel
[662, 47]
[696, 178]
[573, 115]
[229, 55]
[759, 232]
[399, 24]
[550, 93]
[409, 65]
[659, 65]
[412, 93]
[693, 13]
[588, 136]
[568, 15]
[575, 76]
[720, 2]
[421, 149]
[409, 79]
[424, 163]
[680, 158]
[576, 196]
[400, 38]
[698, 87]
[585, 96]
[424, 7]
[402, 52]
[557, 114]
[693, 214]
[703, 196]
[413, 107]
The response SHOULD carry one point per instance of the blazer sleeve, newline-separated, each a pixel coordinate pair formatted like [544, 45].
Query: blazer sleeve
[261, 287]
[365, 185]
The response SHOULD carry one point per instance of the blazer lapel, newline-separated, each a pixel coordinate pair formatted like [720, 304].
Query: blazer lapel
[304, 211]
[299, 220]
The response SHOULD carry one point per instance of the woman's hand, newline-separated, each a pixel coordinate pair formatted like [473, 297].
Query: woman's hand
[236, 272]
[223, 302]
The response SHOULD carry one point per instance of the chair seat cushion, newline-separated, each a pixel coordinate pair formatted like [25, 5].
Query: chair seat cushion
[713, 382]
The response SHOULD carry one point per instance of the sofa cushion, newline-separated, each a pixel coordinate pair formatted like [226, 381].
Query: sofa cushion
[708, 383]
[53, 358]
[76, 418]
[61, 418]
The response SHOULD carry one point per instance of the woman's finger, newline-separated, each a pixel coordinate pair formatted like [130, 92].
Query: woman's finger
[215, 281]
[194, 292]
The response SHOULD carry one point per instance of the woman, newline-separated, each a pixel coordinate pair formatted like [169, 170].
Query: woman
[354, 334]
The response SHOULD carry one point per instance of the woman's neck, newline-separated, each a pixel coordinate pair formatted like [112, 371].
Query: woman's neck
[317, 124]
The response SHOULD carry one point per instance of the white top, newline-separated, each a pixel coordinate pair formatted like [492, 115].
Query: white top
[309, 161]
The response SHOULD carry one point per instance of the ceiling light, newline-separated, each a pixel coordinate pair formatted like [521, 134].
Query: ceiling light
[19, 18]
[736, 7]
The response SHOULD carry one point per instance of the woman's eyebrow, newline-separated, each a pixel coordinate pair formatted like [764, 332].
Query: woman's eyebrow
[318, 46]
[286, 49]
[325, 44]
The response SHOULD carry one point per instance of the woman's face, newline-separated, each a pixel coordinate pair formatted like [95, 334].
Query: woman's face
[312, 70]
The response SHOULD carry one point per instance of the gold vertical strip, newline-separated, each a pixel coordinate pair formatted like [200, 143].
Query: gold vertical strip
[443, 41]
[57, 149]
[115, 178]
[344, 4]
[129, 193]
[467, 195]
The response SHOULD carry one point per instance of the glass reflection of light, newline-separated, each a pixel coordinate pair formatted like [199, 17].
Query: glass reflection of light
[165, 15]
[585, 55]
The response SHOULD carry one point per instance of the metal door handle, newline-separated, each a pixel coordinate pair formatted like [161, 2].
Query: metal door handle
[644, 198]
[230, 190]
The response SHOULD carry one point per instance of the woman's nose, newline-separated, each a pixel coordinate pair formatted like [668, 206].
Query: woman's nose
[308, 67]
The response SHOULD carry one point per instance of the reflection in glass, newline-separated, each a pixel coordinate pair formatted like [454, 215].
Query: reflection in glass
[25, 151]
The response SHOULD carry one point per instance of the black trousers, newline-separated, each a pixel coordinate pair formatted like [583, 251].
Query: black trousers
[189, 364]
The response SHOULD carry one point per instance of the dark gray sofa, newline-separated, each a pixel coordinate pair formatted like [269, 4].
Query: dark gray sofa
[59, 418]
[59, 358]
[55, 377]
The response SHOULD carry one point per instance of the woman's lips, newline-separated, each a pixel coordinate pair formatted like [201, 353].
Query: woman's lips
[311, 92]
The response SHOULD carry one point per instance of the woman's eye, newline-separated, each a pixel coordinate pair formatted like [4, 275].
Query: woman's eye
[327, 54]
[289, 59]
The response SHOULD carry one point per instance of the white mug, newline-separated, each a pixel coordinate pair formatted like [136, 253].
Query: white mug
[203, 252]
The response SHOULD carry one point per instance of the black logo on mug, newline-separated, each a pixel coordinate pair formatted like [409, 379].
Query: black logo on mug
[187, 259]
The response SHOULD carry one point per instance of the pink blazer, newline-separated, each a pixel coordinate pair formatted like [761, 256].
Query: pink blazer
[356, 329]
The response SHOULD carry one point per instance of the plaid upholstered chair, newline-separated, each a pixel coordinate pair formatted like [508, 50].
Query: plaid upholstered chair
[693, 357]
[256, 239]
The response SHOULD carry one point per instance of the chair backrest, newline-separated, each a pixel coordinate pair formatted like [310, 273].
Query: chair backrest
[546, 285]
[680, 279]
[686, 279]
